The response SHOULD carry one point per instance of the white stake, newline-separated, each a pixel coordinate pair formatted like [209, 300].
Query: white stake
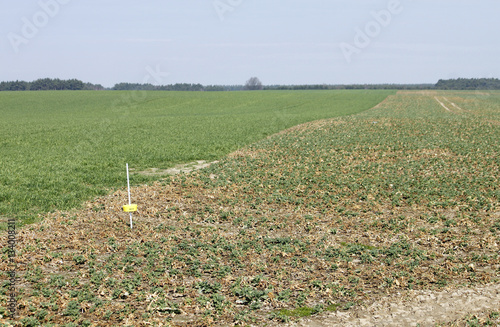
[129, 202]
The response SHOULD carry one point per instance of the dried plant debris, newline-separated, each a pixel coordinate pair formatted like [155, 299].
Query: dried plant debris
[322, 217]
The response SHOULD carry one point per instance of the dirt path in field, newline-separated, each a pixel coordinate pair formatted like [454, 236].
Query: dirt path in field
[442, 104]
[417, 308]
[181, 168]
[453, 104]
[457, 110]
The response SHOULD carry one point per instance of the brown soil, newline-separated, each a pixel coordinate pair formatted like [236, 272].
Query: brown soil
[416, 308]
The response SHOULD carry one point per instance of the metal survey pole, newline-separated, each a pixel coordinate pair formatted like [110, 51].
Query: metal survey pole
[130, 207]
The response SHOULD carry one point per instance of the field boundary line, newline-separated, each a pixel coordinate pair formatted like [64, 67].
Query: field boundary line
[380, 104]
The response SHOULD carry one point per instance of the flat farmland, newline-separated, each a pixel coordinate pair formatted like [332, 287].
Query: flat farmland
[59, 149]
[321, 218]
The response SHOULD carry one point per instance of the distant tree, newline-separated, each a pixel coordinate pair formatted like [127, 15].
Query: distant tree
[19, 86]
[253, 84]
[74, 84]
[41, 84]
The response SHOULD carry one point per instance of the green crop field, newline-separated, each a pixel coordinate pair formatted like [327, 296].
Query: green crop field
[320, 217]
[59, 149]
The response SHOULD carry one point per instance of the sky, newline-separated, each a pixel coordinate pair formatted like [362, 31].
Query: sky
[225, 42]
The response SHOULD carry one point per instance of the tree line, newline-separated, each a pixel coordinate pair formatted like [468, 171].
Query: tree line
[451, 84]
[251, 84]
[351, 87]
[48, 84]
[151, 87]
[469, 84]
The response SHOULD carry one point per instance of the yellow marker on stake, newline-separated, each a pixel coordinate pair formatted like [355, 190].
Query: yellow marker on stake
[130, 207]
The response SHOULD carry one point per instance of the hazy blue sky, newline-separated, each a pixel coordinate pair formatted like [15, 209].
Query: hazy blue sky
[228, 41]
